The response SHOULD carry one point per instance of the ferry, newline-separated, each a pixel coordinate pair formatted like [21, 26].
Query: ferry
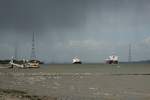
[76, 60]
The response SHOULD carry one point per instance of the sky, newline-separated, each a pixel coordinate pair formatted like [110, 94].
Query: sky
[89, 29]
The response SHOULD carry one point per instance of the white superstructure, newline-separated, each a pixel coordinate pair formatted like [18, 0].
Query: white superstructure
[76, 60]
[112, 59]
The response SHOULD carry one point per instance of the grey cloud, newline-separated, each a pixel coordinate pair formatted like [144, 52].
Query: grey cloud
[110, 25]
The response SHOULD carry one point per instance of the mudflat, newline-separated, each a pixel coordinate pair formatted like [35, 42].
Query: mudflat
[78, 82]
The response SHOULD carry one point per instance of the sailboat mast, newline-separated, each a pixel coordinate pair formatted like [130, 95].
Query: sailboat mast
[33, 56]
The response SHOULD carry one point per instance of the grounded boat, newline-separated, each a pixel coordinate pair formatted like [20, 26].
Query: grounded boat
[76, 60]
[33, 64]
[112, 60]
[24, 64]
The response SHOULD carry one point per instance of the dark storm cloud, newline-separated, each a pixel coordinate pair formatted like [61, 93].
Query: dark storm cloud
[66, 28]
[35, 14]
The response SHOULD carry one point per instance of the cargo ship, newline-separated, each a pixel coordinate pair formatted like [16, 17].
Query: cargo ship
[112, 60]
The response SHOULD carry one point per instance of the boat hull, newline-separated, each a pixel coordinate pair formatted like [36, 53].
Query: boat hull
[77, 62]
[111, 62]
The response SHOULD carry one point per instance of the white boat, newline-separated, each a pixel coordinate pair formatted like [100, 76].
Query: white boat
[32, 64]
[24, 64]
[112, 60]
[15, 64]
[76, 60]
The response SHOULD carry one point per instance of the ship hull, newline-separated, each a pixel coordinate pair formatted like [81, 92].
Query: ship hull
[111, 62]
[77, 62]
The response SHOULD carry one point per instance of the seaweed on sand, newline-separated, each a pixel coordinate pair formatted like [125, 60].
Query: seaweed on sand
[9, 94]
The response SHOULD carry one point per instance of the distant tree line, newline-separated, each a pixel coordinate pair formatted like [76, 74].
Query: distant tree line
[142, 61]
[4, 61]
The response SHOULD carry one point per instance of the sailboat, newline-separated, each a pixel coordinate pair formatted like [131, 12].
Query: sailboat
[33, 63]
[24, 63]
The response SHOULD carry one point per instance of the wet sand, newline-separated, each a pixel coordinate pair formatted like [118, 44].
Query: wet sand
[81, 82]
